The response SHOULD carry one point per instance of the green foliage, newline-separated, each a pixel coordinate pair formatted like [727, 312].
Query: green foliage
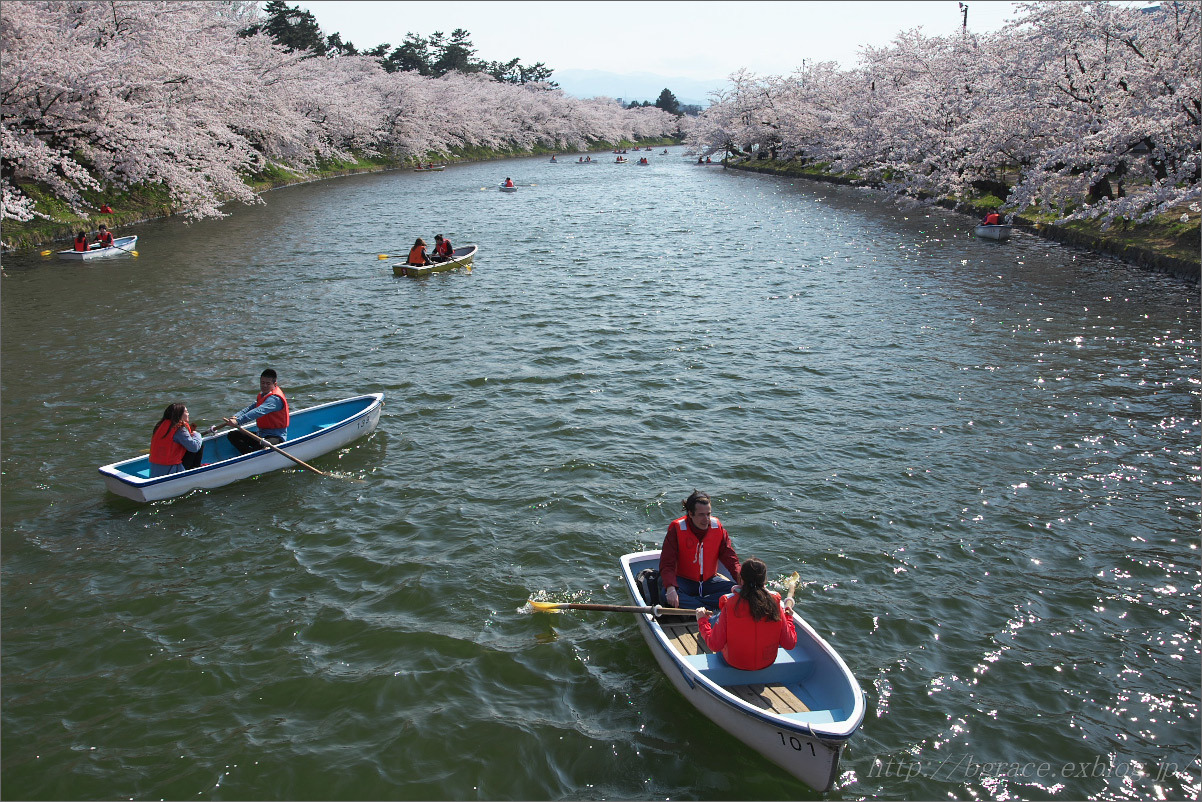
[668, 102]
[294, 28]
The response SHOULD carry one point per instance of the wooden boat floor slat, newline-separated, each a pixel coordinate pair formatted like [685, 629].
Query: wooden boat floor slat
[778, 698]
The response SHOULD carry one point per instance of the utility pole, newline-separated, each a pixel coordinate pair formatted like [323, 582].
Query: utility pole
[964, 10]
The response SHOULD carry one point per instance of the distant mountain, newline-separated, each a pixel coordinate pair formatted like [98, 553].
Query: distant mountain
[638, 86]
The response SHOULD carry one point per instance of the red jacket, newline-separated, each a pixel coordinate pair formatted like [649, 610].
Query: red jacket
[163, 448]
[105, 239]
[81, 244]
[444, 248]
[272, 420]
[695, 555]
[417, 255]
[745, 643]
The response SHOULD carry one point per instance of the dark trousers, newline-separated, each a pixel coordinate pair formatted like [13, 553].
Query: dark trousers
[246, 444]
[192, 459]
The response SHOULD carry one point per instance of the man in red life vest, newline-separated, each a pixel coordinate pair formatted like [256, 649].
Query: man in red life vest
[269, 412]
[104, 238]
[443, 251]
[688, 562]
[508, 182]
[993, 219]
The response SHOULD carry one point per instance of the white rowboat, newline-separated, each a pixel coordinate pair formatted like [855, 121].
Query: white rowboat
[311, 432]
[1000, 233]
[799, 712]
[121, 245]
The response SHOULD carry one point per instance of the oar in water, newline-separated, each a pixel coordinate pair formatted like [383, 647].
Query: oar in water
[127, 250]
[299, 462]
[656, 610]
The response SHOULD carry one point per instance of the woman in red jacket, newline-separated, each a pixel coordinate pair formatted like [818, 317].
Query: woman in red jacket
[753, 622]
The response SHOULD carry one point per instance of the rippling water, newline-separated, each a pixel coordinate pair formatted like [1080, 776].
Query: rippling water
[982, 458]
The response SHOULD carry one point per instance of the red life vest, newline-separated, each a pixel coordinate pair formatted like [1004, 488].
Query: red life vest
[444, 248]
[273, 420]
[105, 239]
[992, 219]
[508, 182]
[81, 244]
[750, 644]
[697, 559]
[163, 448]
[417, 255]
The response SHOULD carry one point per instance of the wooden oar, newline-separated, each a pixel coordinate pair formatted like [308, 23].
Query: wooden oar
[127, 250]
[303, 464]
[657, 610]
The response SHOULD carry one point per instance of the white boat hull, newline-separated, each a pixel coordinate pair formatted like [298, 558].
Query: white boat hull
[809, 751]
[999, 233]
[305, 448]
[121, 246]
[507, 189]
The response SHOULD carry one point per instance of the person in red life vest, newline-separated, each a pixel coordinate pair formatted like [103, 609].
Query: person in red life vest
[992, 219]
[417, 254]
[174, 445]
[269, 412]
[443, 251]
[106, 209]
[753, 622]
[81, 241]
[104, 238]
[508, 182]
[688, 561]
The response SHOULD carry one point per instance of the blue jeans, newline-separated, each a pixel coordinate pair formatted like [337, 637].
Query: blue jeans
[700, 594]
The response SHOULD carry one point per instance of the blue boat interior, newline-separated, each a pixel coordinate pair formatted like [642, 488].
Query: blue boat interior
[806, 670]
[301, 424]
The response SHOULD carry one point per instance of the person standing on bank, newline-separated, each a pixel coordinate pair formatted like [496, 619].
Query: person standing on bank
[753, 623]
[688, 561]
[174, 445]
[269, 411]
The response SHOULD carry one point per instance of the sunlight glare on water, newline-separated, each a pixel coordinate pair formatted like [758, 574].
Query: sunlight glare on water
[982, 459]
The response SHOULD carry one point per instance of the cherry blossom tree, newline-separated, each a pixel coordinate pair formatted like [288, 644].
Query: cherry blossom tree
[187, 95]
[1089, 110]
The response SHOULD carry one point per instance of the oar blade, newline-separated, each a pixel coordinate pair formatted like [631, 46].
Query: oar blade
[382, 256]
[544, 607]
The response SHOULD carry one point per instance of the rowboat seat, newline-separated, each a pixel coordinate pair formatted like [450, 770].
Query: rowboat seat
[789, 667]
[817, 716]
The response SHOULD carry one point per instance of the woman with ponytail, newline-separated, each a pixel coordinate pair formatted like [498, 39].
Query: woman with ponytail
[752, 622]
[174, 445]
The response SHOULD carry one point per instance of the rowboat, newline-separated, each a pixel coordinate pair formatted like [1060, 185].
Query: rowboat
[462, 257]
[120, 245]
[1000, 233]
[799, 712]
[312, 432]
[437, 169]
[504, 188]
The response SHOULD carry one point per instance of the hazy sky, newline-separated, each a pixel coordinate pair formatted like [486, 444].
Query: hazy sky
[703, 40]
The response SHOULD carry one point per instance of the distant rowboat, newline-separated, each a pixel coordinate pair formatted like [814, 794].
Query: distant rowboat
[437, 169]
[120, 245]
[504, 188]
[462, 258]
[1001, 233]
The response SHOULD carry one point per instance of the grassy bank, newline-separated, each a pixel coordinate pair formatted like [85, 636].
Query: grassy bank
[1165, 244]
[141, 204]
